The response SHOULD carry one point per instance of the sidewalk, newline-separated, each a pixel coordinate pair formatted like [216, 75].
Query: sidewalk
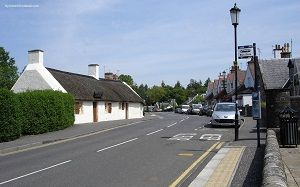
[236, 163]
[76, 131]
[291, 159]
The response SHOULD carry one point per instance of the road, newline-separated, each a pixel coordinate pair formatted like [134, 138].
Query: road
[155, 153]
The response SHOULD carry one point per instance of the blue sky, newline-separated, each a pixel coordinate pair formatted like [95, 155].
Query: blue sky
[151, 40]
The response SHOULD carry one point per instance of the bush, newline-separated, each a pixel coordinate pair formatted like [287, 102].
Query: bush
[45, 111]
[10, 127]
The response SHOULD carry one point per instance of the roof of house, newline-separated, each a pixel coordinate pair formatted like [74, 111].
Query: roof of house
[274, 73]
[88, 88]
[240, 73]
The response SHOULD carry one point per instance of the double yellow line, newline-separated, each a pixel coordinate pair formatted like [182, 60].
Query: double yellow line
[200, 159]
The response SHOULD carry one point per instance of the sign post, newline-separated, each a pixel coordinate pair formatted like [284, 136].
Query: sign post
[245, 51]
[249, 51]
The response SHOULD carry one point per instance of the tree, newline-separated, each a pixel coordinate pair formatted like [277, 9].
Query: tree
[198, 99]
[126, 78]
[207, 81]
[156, 94]
[178, 85]
[8, 70]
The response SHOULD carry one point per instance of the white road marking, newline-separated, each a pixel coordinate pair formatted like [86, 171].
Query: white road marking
[116, 145]
[211, 137]
[172, 124]
[183, 136]
[154, 132]
[35, 172]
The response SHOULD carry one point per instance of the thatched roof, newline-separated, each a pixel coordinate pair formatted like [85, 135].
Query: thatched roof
[88, 88]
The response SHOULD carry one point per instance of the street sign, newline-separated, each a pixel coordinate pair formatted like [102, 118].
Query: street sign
[256, 106]
[245, 51]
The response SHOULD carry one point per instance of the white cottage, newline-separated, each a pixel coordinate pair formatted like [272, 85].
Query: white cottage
[95, 99]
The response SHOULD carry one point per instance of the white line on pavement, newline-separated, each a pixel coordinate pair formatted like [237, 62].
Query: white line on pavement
[116, 145]
[154, 132]
[172, 124]
[35, 172]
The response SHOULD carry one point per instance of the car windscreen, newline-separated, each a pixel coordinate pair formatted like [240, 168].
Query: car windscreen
[197, 106]
[225, 107]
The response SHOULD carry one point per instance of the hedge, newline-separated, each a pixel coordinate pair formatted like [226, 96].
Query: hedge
[45, 111]
[10, 127]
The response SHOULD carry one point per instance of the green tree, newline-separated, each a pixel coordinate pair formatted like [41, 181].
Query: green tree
[126, 78]
[207, 81]
[178, 85]
[8, 70]
[198, 99]
[156, 94]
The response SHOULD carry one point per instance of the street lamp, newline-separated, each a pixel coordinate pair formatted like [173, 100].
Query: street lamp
[234, 13]
[224, 81]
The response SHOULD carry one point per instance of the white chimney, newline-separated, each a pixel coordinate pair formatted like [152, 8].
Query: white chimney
[36, 56]
[94, 71]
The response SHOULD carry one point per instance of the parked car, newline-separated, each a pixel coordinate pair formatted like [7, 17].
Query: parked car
[224, 114]
[196, 109]
[178, 110]
[185, 109]
[207, 110]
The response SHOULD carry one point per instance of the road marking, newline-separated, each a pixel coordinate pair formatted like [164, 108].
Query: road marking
[22, 176]
[172, 124]
[189, 169]
[222, 166]
[183, 136]
[211, 137]
[185, 154]
[116, 145]
[70, 139]
[154, 132]
[220, 145]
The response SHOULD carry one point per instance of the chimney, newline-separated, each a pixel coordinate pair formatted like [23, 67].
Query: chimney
[94, 71]
[276, 51]
[110, 76]
[36, 56]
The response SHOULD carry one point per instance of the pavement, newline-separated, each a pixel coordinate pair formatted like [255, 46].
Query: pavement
[239, 163]
[291, 160]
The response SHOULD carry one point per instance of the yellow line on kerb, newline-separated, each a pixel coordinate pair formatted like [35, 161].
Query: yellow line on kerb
[188, 170]
[220, 145]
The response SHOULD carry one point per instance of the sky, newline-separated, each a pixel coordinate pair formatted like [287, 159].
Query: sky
[151, 40]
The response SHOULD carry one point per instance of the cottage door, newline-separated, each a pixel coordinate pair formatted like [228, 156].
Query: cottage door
[126, 110]
[95, 111]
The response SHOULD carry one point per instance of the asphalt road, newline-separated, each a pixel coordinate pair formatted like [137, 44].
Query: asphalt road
[147, 153]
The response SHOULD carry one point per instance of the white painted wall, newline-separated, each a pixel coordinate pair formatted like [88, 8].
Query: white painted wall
[247, 100]
[41, 77]
[87, 113]
[116, 113]
[135, 110]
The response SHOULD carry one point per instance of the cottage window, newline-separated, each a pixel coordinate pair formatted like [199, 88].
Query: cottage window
[108, 107]
[78, 107]
[123, 106]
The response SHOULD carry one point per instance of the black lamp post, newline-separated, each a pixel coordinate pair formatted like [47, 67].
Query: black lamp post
[224, 80]
[234, 13]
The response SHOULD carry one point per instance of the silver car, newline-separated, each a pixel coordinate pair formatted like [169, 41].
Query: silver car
[224, 114]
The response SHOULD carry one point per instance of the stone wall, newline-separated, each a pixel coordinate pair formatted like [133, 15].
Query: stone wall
[273, 172]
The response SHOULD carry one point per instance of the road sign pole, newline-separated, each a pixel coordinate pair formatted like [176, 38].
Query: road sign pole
[256, 90]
